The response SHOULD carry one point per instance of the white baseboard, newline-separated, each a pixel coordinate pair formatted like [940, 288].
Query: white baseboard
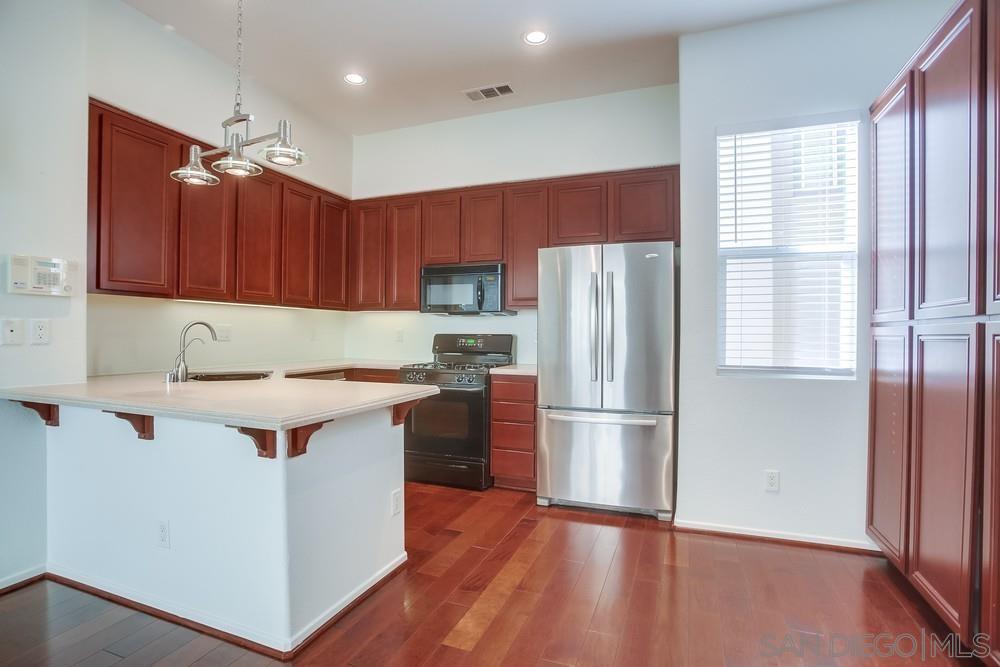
[18, 577]
[805, 538]
[334, 609]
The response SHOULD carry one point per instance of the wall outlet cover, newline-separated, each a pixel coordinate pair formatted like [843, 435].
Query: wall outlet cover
[12, 332]
[397, 502]
[772, 481]
[38, 332]
[224, 332]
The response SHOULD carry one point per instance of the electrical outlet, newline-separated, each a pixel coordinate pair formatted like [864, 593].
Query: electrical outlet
[163, 534]
[38, 332]
[399, 335]
[772, 481]
[224, 332]
[11, 332]
[397, 502]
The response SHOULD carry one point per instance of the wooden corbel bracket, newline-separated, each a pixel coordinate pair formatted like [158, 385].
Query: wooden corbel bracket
[400, 410]
[143, 424]
[48, 412]
[298, 438]
[266, 441]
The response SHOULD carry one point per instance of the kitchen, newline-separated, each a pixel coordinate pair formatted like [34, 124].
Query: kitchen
[325, 268]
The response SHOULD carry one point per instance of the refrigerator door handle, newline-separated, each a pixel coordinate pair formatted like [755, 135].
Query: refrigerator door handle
[598, 420]
[594, 324]
[609, 316]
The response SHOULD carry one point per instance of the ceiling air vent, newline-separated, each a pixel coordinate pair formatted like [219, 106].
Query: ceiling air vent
[488, 92]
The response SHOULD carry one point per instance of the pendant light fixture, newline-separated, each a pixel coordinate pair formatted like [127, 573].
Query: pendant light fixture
[231, 159]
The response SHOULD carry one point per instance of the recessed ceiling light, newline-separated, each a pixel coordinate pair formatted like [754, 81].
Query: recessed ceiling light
[535, 37]
[355, 79]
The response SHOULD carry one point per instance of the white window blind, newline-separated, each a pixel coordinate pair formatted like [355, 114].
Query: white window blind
[788, 249]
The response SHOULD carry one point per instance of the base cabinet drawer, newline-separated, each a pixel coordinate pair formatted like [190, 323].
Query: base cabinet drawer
[504, 390]
[514, 412]
[513, 464]
[521, 437]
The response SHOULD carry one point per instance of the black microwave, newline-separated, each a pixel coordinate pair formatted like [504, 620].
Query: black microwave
[462, 289]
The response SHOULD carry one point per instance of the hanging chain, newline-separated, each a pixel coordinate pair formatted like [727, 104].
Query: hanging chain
[239, 58]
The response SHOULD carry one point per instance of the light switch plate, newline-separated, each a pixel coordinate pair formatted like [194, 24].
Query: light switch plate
[11, 332]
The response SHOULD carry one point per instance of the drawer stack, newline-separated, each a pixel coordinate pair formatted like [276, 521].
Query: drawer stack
[512, 431]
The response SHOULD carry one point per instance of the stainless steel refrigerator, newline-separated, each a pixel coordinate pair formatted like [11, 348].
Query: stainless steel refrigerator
[606, 377]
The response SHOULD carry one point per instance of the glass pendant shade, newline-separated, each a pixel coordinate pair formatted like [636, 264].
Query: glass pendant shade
[234, 162]
[193, 173]
[282, 152]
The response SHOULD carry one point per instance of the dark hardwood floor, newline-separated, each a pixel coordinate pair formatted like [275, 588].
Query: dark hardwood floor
[494, 580]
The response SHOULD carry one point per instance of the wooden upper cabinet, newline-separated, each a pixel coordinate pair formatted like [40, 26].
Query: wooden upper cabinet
[645, 206]
[482, 226]
[367, 256]
[892, 226]
[402, 279]
[578, 211]
[300, 245]
[944, 499]
[526, 230]
[258, 240]
[334, 225]
[207, 248]
[442, 229]
[138, 207]
[948, 157]
[992, 187]
[889, 442]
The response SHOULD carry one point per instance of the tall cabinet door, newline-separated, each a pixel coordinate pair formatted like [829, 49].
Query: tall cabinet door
[334, 225]
[137, 227]
[300, 246]
[402, 234]
[948, 236]
[889, 442]
[525, 213]
[368, 256]
[207, 249]
[482, 226]
[892, 226]
[990, 610]
[945, 468]
[992, 186]
[258, 240]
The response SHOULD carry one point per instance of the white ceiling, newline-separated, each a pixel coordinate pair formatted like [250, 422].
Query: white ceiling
[419, 54]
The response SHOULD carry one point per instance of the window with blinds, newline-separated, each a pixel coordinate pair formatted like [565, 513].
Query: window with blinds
[788, 250]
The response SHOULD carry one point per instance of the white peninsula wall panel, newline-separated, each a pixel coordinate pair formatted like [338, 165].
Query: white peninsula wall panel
[635, 128]
[43, 209]
[815, 432]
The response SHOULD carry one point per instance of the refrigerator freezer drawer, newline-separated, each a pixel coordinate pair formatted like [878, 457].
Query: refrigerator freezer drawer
[607, 459]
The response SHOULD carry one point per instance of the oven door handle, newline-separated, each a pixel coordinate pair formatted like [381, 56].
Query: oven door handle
[464, 390]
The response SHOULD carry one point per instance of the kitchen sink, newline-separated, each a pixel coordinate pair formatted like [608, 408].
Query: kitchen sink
[230, 377]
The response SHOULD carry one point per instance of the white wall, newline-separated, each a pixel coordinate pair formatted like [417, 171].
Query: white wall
[135, 63]
[635, 128]
[813, 431]
[43, 201]
[129, 334]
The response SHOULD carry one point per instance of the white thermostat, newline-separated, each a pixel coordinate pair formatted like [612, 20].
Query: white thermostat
[45, 276]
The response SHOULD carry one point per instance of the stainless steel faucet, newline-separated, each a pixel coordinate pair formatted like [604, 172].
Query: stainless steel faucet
[180, 371]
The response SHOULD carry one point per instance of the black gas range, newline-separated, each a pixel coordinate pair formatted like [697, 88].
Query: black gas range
[447, 436]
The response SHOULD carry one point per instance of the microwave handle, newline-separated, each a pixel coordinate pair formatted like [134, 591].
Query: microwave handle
[480, 294]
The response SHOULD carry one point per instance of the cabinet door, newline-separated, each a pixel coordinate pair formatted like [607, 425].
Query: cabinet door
[333, 243]
[138, 207]
[300, 246]
[948, 158]
[578, 212]
[482, 226]
[207, 249]
[889, 441]
[368, 256]
[892, 226]
[990, 620]
[645, 206]
[402, 279]
[442, 231]
[526, 212]
[992, 186]
[945, 468]
[258, 240]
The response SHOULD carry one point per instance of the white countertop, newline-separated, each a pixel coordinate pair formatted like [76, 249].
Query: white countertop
[515, 369]
[277, 403]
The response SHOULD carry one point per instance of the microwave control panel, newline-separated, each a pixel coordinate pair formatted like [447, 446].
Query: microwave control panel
[44, 276]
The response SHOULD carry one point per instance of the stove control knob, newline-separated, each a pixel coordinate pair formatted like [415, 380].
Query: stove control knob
[421, 377]
[410, 376]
